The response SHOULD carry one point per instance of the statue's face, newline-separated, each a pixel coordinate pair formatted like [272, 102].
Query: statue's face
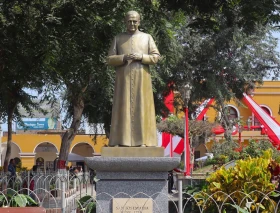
[132, 23]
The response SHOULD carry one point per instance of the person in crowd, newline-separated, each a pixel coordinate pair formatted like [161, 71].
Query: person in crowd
[32, 174]
[32, 181]
[71, 169]
[75, 172]
[12, 167]
[170, 181]
[12, 170]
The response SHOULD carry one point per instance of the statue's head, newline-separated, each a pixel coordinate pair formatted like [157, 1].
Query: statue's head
[132, 21]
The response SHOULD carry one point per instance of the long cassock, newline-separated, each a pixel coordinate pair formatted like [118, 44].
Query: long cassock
[133, 116]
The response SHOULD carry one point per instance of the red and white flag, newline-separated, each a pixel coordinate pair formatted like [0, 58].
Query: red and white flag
[164, 140]
[202, 109]
[271, 126]
[177, 143]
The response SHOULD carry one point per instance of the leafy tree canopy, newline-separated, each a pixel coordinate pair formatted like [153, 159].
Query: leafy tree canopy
[23, 45]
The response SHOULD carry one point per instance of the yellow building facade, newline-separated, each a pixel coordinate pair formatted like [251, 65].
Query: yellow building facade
[267, 96]
[43, 149]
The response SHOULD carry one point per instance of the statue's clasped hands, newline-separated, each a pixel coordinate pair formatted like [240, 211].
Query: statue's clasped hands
[133, 56]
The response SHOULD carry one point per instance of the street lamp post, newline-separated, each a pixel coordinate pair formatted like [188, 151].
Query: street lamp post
[186, 93]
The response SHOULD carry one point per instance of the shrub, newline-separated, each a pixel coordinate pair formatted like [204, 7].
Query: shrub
[17, 200]
[244, 182]
[255, 149]
[225, 148]
[217, 161]
[87, 204]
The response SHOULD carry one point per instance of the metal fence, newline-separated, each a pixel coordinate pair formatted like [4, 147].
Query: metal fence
[66, 193]
[53, 191]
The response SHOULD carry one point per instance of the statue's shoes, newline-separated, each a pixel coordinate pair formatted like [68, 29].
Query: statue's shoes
[143, 145]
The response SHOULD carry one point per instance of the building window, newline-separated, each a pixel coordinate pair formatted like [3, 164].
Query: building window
[256, 121]
[232, 113]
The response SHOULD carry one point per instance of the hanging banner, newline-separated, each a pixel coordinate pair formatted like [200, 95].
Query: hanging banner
[270, 125]
[37, 124]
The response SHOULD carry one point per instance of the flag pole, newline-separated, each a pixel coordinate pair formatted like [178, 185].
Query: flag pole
[186, 94]
[187, 144]
[171, 146]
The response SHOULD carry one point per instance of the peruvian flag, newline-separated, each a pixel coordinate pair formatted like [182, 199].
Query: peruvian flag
[202, 109]
[175, 142]
[167, 140]
[271, 126]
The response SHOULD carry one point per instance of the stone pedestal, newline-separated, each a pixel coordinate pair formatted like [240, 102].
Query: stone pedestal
[132, 152]
[132, 177]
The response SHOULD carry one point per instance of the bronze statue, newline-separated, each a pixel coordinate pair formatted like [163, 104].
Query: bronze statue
[133, 116]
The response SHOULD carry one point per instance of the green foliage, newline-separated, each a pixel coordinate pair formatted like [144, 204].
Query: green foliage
[217, 161]
[176, 126]
[23, 42]
[242, 175]
[225, 148]
[256, 148]
[245, 14]
[191, 190]
[223, 43]
[23, 46]
[245, 181]
[3, 201]
[188, 193]
[172, 125]
[88, 204]
[62, 46]
[17, 200]
[209, 161]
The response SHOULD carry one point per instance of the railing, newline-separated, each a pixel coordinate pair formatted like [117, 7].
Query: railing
[63, 192]
[53, 191]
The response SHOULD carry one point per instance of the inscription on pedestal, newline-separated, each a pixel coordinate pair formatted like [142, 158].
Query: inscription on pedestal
[132, 205]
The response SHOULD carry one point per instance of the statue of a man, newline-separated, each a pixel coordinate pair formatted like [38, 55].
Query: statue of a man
[133, 116]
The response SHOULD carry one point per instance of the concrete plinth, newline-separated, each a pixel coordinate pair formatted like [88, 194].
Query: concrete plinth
[132, 152]
[132, 177]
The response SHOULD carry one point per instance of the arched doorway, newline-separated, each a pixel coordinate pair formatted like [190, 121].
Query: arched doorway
[233, 112]
[45, 154]
[15, 150]
[83, 149]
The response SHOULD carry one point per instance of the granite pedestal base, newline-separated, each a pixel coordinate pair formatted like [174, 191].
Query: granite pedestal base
[132, 177]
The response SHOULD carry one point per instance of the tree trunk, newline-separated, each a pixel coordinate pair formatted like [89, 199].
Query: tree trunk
[107, 130]
[227, 134]
[70, 134]
[9, 140]
[228, 125]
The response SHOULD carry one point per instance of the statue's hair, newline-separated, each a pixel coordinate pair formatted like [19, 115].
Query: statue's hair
[132, 12]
